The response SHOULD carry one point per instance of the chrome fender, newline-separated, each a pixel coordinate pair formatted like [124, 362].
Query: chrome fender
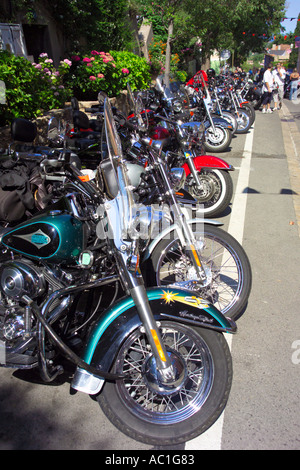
[172, 228]
[118, 322]
[218, 121]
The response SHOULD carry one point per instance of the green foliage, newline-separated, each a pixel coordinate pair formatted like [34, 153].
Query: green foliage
[103, 25]
[107, 72]
[157, 52]
[30, 88]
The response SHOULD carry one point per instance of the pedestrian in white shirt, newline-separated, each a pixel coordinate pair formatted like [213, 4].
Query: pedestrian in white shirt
[279, 78]
[267, 89]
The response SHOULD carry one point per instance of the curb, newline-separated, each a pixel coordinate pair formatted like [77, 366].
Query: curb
[291, 139]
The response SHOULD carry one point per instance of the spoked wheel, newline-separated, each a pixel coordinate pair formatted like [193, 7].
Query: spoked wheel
[146, 409]
[227, 268]
[251, 111]
[243, 120]
[218, 140]
[214, 193]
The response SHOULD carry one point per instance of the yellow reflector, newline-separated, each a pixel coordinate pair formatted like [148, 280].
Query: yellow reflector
[158, 346]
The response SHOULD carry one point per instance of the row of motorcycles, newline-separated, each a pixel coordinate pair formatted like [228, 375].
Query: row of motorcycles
[111, 263]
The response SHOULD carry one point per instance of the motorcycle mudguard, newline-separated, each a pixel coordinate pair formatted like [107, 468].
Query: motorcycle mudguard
[119, 321]
[166, 233]
[208, 161]
[219, 122]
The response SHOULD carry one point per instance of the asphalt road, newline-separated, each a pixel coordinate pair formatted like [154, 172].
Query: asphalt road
[262, 411]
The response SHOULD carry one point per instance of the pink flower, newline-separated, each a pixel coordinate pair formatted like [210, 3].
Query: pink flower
[125, 70]
[100, 75]
[92, 77]
[68, 62]
[76, 58]
[95, 53]
[89, 64]
[86, 59]
[38, 66]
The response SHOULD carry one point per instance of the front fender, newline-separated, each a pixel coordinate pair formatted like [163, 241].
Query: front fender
[118, 322]
[208, 161]
[167, 232]
[218, 121]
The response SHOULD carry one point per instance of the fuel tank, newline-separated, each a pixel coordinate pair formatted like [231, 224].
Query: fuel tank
[56, 236]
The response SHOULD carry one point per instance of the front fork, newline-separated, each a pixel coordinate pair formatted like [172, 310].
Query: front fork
[185, 232]
[190, 161]
[135, 286]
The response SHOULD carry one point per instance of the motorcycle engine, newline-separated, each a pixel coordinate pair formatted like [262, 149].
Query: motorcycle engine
[19, 278]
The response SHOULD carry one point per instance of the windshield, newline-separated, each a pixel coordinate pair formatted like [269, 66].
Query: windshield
[124, 198]
[136, 103]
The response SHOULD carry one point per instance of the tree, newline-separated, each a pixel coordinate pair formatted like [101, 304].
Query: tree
[239, 25]
[169, 20]
[295, 54]
[96, 24]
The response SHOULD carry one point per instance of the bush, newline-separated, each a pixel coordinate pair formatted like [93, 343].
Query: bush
[107, 71]
[157, 55]
[31, 89]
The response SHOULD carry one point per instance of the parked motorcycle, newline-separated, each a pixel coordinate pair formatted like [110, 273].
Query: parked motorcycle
[151, 188]
[208, 178]
[156, 359]
[230, 102]
[216, 264]
[218, 131]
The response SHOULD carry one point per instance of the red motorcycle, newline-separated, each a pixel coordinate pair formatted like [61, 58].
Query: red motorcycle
[208, 178]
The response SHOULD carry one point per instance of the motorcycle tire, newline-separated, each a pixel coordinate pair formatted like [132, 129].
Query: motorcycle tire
[230, 118]
[143, 408]
[250, 109]
[215, 192]
[226, 264]
[243, 120]
[218, 141]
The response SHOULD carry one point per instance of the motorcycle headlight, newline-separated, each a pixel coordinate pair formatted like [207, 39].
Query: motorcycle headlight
[177, 106]
[178, 178]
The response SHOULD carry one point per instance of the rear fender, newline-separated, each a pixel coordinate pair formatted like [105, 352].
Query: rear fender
[208, 161]
[118, 322]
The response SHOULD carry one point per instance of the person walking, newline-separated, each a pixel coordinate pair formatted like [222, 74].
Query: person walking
[278, 92]
[267, 89]
[294, 77]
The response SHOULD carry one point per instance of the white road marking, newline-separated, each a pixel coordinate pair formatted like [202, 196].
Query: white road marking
[212, 438]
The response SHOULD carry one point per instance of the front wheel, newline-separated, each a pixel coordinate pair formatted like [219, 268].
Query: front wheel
[217, 140]
[226, 265]
[215, 191]
[147, 410]
[243, 120]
